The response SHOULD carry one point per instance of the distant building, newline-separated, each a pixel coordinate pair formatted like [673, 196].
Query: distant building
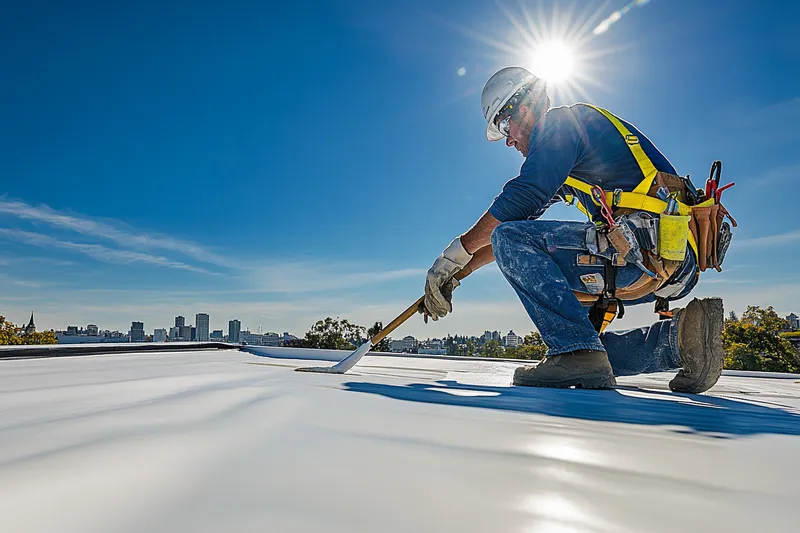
[253, 339]
[234, 328]
[409, 344]
[92, 330]
[31, 327]
[180, 321]
[217, 335]
[63, 338]
[257, 339]
[432, 347]
[184, 333]
[159, 335]
[405, 345]
[202, 326]
[271, 339]
[491, 336]
[174, 333]
[137, 332]
[193, 334]
[793, 319]
[512, 340]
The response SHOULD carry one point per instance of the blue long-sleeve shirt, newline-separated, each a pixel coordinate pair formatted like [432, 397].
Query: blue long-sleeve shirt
[575, 141]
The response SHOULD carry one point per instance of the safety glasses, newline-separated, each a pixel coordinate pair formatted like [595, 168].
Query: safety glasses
[504, 126]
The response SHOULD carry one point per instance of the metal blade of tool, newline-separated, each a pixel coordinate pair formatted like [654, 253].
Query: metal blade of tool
[349, 362]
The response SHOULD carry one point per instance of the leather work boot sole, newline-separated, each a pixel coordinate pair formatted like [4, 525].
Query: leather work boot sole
[699, 346]
[587, 369]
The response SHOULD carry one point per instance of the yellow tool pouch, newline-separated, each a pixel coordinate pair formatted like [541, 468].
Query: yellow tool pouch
[673, 236]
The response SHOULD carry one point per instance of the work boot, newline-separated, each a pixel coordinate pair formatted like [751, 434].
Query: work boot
[699, 346]
[588, 369]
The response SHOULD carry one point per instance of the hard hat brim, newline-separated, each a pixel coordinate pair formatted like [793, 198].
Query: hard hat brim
[493, 134]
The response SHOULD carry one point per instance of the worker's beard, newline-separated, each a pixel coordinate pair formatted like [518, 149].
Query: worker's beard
[520, 133]
[522, 141]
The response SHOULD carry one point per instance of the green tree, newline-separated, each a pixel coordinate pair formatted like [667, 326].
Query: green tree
[754, 342]
[382, 346]
[471, 348]
[491, 348]
[533, 347]
[464, 347]
[529, 351]
[11, 334]
[334, 334]
[511, 352]
[296, 343]
[450, 345]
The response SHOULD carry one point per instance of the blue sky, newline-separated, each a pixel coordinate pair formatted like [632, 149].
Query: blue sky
[282, 162]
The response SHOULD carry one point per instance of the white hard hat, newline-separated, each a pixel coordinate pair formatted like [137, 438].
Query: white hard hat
[504, 84]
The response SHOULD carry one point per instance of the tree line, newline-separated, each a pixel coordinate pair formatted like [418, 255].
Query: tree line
[760, 340]
[341, 334]
[11, 334]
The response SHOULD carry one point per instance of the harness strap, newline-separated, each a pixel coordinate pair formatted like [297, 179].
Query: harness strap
[601, 313]
[647, 166]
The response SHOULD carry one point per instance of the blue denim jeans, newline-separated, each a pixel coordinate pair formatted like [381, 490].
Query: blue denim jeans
[539, 259]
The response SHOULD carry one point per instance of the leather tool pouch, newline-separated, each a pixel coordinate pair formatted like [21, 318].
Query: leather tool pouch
[704, 227]
[619, 242]
[722, 233]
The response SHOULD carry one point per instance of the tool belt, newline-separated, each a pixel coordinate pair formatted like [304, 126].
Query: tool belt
[709, 234]
[704, 230]
[689, 216]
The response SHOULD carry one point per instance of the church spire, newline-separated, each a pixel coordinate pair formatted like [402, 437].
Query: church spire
[31, 327]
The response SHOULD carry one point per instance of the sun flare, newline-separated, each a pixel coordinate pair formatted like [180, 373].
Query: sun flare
[554, 61]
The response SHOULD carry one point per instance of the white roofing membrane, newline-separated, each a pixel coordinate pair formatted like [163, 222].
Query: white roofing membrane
[213, 441]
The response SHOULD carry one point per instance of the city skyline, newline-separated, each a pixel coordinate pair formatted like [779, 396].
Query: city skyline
[80, 331]
[792, 319]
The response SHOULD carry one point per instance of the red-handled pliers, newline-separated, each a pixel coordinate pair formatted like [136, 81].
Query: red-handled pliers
[718, 193]
[712, 183]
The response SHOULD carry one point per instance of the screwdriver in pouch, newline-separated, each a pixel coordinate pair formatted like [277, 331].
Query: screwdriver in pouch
[621, 236]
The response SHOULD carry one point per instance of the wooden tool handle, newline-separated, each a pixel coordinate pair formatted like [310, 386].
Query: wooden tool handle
[411, 311]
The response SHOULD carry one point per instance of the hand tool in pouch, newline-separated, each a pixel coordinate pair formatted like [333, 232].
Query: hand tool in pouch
[621, 237]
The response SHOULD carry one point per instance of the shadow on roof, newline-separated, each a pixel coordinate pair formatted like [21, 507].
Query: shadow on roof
[716, 417]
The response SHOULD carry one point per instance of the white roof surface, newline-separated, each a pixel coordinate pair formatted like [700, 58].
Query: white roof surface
[227, 441]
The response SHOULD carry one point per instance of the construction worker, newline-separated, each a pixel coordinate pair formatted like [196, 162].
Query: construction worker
[567, 151]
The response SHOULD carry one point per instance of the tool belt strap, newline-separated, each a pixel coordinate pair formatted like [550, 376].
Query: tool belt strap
[638, 202]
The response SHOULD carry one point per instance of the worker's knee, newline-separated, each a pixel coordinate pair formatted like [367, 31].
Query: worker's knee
[506, 240]
[501, 234]
[509, 234]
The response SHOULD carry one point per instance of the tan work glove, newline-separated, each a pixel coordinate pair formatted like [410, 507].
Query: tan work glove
[439, 284]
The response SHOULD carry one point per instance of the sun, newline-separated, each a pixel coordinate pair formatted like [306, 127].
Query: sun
[553, 61]
[557, 45]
